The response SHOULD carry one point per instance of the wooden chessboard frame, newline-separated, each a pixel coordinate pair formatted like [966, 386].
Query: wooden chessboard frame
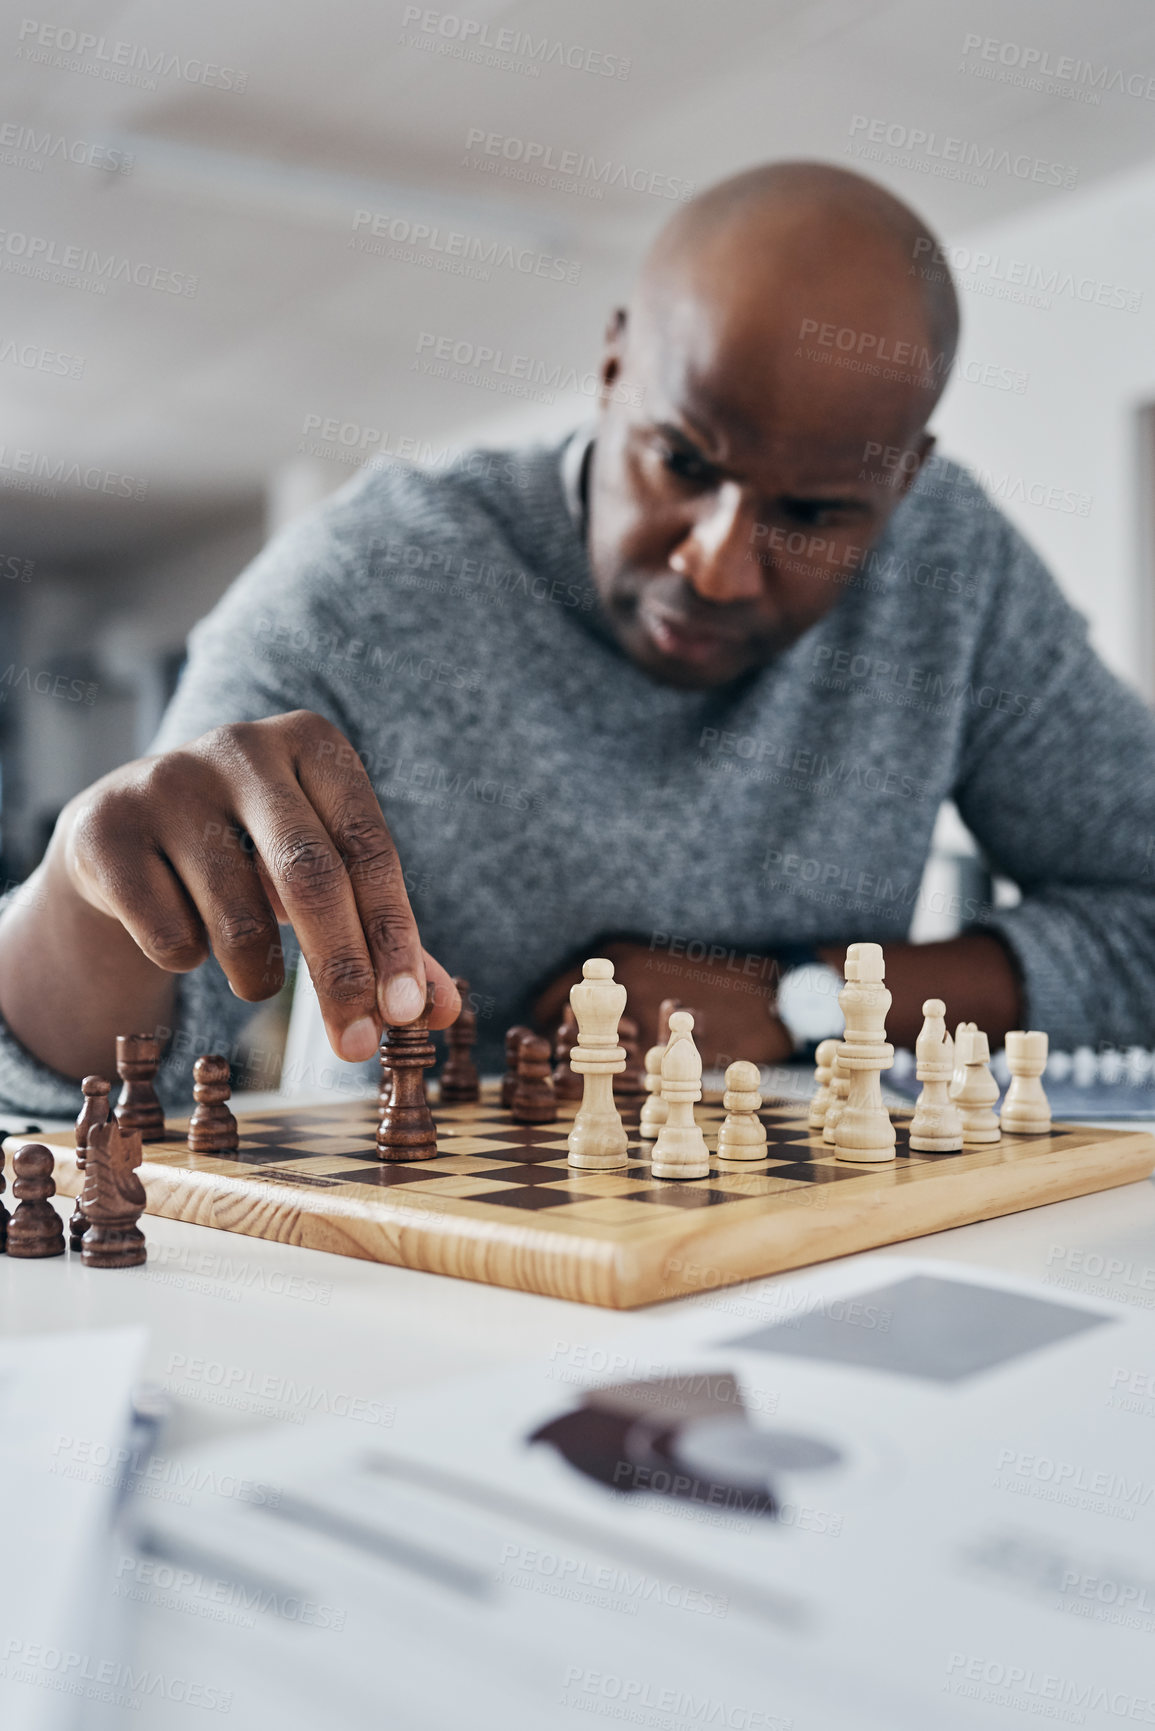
[499, 1204]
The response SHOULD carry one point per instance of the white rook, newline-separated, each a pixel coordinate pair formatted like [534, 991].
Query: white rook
[1026, 1109]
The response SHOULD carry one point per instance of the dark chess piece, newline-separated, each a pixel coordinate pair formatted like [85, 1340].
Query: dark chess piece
[94, 1111]
[137, 1061]
[460, 1083]
[212, 1129]
[35, 1229]
[533, 1099]
[513, 1038]
[5, 1217]
[567, 1084]
[630, 1083]
[406, 1130]
[113, 1198]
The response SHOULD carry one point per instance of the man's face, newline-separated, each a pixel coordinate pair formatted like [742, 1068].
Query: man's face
[735, 490]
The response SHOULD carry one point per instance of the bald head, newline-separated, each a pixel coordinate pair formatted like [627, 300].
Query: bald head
[785, 333]
[820, 232]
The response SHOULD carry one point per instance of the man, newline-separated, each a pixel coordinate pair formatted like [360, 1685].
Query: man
[636, 696]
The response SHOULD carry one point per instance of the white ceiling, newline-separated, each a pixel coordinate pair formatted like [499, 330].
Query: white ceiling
[253, 192]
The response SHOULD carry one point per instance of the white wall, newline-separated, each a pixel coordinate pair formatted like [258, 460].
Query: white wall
[1075, 427]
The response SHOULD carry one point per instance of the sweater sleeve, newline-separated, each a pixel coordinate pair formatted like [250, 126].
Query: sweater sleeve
[1057, 783]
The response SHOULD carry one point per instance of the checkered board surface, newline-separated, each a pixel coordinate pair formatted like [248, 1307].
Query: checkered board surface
[500, 1204]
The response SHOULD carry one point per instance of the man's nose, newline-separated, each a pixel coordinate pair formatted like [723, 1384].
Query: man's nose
[716, 556]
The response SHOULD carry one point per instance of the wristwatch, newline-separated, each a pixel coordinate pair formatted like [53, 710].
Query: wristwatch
[807, 1001]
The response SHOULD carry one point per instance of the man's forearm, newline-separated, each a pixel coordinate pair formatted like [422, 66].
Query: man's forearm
[72, 978]
[973, 975]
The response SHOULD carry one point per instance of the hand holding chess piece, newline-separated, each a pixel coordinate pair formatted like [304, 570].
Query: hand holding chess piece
[937, 1126]
[35, 1229]
[680, 1150]
[1026, 1109]
[978, 1090]
[212, 1129]
[864, 1133]
[113, 1198]
[597, 1142]
[743, 1134]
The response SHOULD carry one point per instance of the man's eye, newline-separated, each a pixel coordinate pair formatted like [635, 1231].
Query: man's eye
[687, 465]
[815, 513]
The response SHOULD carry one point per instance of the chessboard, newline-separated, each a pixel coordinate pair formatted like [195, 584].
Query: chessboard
[500, 1205]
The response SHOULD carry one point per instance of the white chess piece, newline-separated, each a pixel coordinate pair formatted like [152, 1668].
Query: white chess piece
[864, 1133]
[597, 1142]
[680, 1150]
[823, 1070]
[653, 1114]
[743, 1134]
[979, 1090]
[937, 1126]
[839, 1088]
[960, 1064]
[1026, 1109]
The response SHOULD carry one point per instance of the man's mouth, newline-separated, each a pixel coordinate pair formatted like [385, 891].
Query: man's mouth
[681, 637]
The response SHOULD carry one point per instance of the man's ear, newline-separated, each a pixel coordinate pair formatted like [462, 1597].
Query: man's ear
[613, 354]
[922, 448]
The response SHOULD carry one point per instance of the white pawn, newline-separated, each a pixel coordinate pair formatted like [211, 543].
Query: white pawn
[864, 1133]
[653, 1114]
[937, 1126]
[979, 1090]
[597, 1142]
[823, 1071]
[839, 1089]
[680, 1150]
[1026, 1108]
[743, 1134]
[960, 1063]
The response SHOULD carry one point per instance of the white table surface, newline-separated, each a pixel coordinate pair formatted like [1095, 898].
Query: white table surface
[246, 1333]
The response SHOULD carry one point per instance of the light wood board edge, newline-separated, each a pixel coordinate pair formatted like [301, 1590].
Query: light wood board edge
[699, 1251]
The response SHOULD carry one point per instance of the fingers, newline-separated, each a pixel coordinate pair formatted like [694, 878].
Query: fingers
[147, 898]
[342, 795]
[446, 997]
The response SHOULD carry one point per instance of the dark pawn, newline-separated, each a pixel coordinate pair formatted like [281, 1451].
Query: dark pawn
[407, 1130]
[212, 1129]
[94, 1111]
[460, 1083]
[35, 1229]
[514, 1037]
[567, 1084]
[630, 1083]
[137, 1061]
[5, 1217]
[533, 1099]
[113, 1198]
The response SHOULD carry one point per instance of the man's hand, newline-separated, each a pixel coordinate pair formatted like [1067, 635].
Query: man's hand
[205, 849]
[735, 1008]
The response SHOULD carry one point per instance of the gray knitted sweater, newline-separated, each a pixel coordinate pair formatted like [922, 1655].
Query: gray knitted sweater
[545, 794]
